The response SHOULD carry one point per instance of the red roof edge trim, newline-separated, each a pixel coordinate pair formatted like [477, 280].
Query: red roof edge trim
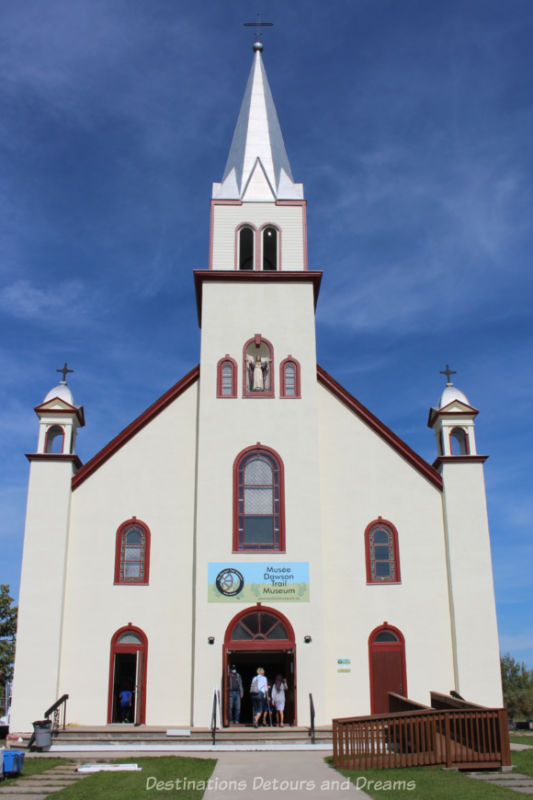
[135, 426]
[380, 428]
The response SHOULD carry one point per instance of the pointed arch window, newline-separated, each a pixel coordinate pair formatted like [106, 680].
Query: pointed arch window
[459, 445]
[258, 503]
[132, 553]
[227, 377]
[382, 556]
[55, 436]
[289, 378]
[246, 247]
[270, 248]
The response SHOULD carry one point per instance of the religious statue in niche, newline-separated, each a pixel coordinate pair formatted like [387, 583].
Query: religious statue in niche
[258, 364]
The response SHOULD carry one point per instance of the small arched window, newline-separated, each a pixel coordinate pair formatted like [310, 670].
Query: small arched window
[459, 442]
[382, 557]
[132, 554]
[270, 248]
[227, 377]
[290, 378]
[258, 523]
[54, 440]
[258, 368]
[246, 247]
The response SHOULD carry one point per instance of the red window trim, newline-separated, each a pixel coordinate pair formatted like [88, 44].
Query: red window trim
[227, 360]
[395, 550]
[238, 230]
[259, 644]
[51, 428]
[259, 448]
[118, 548]
[297, 391]
[374, 646]
[259, 261]
[130, 647]
[467, 441]
[258, 339]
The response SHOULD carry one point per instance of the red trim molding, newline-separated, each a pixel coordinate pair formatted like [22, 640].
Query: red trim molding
[395, 551]
[380, 428]
[134, 427]
[297, 388]
[76, 461]
[259, 448]
[202, 276]
[220, 366]
[146, 555]
[259, 644]
[385, 647]
[78, 412]
[459, 459]
[434, 413]
[258, 339]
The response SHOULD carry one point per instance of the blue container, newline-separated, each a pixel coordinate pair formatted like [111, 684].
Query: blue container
[13, 761]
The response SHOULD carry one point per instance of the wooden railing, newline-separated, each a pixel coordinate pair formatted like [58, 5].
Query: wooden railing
[464, 738]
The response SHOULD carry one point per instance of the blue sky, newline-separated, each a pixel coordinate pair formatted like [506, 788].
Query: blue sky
[411, 126]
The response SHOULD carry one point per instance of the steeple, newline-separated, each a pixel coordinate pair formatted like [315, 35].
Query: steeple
[257, 168]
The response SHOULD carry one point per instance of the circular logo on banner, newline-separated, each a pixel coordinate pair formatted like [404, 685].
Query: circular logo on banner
[229, 582]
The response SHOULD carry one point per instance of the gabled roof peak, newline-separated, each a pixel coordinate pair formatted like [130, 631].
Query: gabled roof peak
[257, 137]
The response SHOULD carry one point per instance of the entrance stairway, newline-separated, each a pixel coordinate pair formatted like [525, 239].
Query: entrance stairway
[126, 737]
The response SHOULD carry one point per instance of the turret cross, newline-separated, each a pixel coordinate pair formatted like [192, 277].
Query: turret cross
[448, 372]
[64, 372]
[258, 25]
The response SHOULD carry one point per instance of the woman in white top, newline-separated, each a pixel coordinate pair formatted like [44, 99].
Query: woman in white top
[278, 698]
[258, 690]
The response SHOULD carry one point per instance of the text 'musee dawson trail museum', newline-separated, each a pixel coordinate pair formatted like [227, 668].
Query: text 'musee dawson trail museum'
[256, 514]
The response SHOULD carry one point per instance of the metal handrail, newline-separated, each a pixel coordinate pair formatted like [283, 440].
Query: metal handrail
[312, 713]
[55, 710]
[214, 718]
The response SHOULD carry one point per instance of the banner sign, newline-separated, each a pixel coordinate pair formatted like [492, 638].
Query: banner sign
[260, 581]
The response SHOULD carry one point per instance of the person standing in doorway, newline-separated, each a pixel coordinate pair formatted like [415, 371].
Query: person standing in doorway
[278, 698]
[125, 699]
[235, 695]
[258, 690]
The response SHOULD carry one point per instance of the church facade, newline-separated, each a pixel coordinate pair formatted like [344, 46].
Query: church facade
[256, 514]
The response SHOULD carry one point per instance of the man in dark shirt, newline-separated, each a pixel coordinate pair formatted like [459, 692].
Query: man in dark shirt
[235, 694]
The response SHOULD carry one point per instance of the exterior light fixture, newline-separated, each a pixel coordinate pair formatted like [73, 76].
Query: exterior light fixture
[211, 640]
[307, 639]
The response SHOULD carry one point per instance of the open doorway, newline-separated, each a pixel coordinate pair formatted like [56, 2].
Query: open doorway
[128, 673]
[259, 637]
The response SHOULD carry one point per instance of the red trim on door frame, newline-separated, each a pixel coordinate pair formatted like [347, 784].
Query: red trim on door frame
[127, 648]
[253, 449]
[386, 647]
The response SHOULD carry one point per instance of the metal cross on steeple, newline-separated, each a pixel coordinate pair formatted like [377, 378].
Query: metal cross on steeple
[448, 372]
[64, 371]
[258, 25]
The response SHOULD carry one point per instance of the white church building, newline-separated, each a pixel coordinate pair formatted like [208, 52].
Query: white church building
[257, 513]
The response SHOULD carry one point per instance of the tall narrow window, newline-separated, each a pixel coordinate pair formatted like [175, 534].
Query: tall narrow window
[459, 442]
[54, 440]
[246, 248]
[132, 555]
[270, 248]
[290, 378]
[382, 558]
[227, 377]
[258, 501]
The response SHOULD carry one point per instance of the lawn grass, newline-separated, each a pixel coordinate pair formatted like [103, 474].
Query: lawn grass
[34, 766]
[521, 738]
[423, 783]
[135, 785]
[523, 761]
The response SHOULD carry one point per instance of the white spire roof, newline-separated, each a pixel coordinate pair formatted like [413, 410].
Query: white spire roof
[257, 167]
